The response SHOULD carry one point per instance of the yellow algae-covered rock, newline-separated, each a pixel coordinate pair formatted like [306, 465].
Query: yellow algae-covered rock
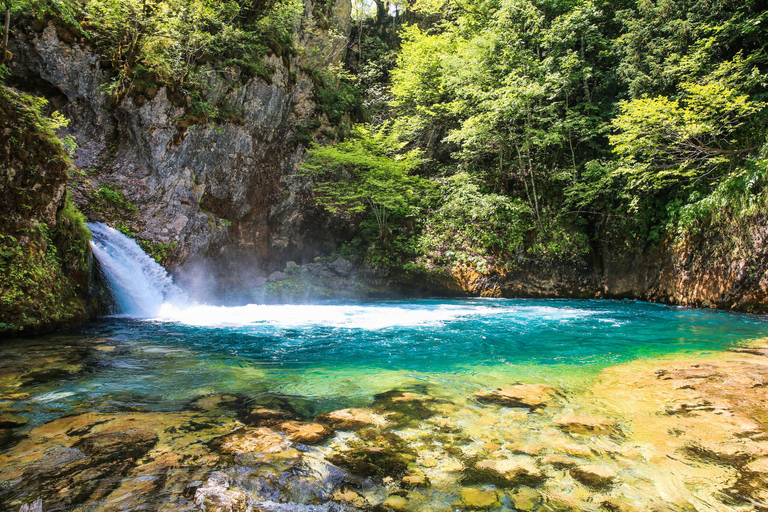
[758, 466]
[412, 481]
[396, 503]
[526, 499]
[478, 499]
[530, 396]
[571, 448]
[512, 471]
[354, 419]
[351, 497]
[587, 424]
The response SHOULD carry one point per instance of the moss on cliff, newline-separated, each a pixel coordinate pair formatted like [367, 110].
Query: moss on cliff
[43, 239]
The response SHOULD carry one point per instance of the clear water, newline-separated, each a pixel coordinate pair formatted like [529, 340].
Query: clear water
[333, 355]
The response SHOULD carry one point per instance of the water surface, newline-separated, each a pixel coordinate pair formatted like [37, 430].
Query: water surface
[334, 355]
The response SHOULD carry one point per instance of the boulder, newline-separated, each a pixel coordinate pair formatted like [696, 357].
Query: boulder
[342, 267]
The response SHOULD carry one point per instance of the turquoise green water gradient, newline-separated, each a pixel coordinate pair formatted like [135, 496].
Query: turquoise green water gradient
[331, 355]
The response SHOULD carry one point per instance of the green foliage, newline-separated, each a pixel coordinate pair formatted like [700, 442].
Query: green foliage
[470, 223]
[367, 174]
[160, 252]
[43, 239]
[178, 42]
[112, 196]
[707, 131]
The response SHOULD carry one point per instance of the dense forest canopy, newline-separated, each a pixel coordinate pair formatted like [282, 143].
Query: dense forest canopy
[552, 126]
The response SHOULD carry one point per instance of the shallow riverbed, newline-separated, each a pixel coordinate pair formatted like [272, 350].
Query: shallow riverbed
[392, 405]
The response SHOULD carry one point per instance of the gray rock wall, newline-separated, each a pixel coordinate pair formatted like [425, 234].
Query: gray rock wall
[223, 199]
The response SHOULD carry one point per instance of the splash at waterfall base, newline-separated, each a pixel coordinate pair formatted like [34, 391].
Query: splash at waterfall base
[661, 434]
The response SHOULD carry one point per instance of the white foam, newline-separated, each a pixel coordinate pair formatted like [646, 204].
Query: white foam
[368, 317]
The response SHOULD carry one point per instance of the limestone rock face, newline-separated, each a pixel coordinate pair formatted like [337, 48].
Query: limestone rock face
[221, 198]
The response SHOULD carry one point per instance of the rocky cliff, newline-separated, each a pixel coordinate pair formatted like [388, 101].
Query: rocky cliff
[707, 269]
[43, 242]
[217, 202]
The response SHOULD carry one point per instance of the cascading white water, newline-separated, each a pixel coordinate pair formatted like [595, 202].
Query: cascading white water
[138, 283]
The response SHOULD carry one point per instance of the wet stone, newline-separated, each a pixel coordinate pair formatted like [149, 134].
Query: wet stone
[758, 466]
[413, 406]
[371, 461]
[12, 421]
[593, 475]
[526, 499]
[259, 440]
[396, 503]
[354, 419]
[35, 506]
[350, 497]
[265, 417]
[305, 433]
[510, 472]
[414, 481]
[530, 396]
[478, 499]
[217, 494]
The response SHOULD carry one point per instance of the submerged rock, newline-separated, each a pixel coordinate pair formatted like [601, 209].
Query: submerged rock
[511, 472]
[526, 499]
[265, 417]
[587, 424]
[217, 495]
[478, 499]
[414, 406]
[396, 503]
[413, 481]
[530, 396]
[261, 440]
[593, 475]
[350, 497]
[354, 419]
[305, 433]
[371, 461]
[8, 421]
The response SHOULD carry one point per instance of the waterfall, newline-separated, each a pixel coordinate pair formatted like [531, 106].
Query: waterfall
[138, 283]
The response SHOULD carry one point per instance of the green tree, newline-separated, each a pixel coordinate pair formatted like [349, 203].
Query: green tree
[368, 173]
[710, 129]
